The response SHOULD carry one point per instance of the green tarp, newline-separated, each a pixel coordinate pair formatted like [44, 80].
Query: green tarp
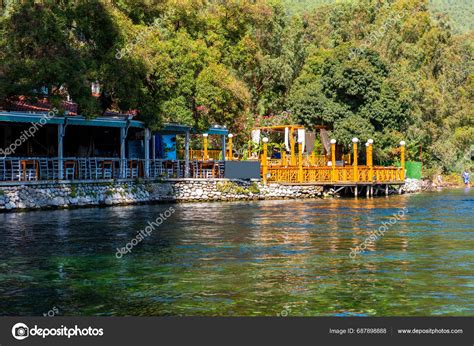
[413, 169]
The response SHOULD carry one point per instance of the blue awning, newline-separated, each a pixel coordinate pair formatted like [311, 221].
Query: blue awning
[110, 121]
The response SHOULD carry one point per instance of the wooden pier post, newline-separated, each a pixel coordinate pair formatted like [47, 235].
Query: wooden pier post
[355, 161]
[292, 147]
[205, 156]
[300, 161]
[333, 159]
[230, 156]
[402, 159]
[264, 160]
[386, 190]
[370, 159]
[283, 158]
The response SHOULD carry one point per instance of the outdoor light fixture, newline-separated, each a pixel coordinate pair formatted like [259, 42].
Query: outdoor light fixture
[355, 140]
[265, 140]
[205, 134]
[370, 141]
[333, 141]
[402, 143]
[231, 135]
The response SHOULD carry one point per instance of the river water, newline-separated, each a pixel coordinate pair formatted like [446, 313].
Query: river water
[264, 258]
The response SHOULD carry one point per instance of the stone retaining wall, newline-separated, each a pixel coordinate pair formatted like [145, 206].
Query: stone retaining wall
[67, 195]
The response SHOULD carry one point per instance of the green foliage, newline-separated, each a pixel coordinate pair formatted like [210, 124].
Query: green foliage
[73, 192]
[387, 70]
[459, 12]
[233, 188]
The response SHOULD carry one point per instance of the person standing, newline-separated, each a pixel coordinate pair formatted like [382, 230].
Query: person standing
[467, 178]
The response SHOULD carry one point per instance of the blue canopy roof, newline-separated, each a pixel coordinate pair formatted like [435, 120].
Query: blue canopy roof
[108, 121]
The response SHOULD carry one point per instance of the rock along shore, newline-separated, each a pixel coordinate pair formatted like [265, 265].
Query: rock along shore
[60, 195]
[83, 194]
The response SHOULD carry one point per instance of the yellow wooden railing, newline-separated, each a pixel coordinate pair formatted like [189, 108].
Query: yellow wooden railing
[197, 154]
[341, 175]
[308, 160]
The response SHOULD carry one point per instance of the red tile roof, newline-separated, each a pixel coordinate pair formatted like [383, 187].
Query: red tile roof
[43, 105]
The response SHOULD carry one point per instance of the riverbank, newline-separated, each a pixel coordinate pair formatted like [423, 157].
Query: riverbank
[418, 185]
[62, 195]
[72, 195]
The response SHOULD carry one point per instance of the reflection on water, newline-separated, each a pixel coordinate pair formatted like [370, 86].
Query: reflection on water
[241, 259]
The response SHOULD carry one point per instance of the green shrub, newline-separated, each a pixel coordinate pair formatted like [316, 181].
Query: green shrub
[230, 187]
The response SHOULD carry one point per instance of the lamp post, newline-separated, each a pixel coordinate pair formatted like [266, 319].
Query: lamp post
[292, 147]
[205, 155]
[333, 159]
[300, 160]
[354, 162]
[230, 156]
[370, 160]
[264, 159]
[402, 159]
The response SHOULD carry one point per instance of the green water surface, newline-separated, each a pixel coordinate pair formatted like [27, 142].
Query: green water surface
[264, 258]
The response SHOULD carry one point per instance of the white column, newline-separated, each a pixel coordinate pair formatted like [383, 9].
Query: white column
[60, 151]
[153, 146]
[147, 153]
[186, 155]
[122, 152]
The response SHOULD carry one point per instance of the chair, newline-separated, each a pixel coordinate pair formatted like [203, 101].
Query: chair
[70, 170]
[131, 171]
[107, 168]
[54, 168]
[83, 168]
[207, 172]
[116, 169]
[3, 170]
[30, 170]
[154, 169]
[95, 169]
[43, 169]
[16, 171]
[195, 169]
[220, 169]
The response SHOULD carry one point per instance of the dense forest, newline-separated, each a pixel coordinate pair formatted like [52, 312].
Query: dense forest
[459, 13]
[387, 70]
